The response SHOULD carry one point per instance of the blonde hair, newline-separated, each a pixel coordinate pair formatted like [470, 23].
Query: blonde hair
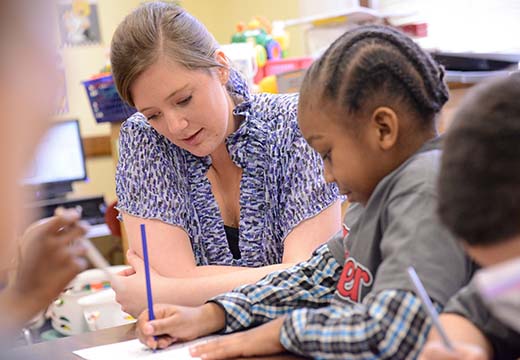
[153, 30]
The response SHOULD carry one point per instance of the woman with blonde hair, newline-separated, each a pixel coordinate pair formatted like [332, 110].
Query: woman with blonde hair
[223, 180]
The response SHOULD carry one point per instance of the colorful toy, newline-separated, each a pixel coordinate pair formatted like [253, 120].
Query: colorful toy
[270, 43]
[268, 80]
[261, 55]
[281, 36]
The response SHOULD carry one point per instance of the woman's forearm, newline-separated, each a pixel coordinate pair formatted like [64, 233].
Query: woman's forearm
[188, 291]
[217, 270]
[209, 270]
[195, 291]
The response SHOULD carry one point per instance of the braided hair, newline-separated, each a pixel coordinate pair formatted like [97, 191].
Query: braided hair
[377, 62]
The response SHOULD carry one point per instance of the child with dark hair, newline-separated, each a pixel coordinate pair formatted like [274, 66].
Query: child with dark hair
[479, 201]
[368, 106]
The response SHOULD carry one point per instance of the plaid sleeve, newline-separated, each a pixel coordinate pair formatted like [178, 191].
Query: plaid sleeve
[387, 325]
[310, 284]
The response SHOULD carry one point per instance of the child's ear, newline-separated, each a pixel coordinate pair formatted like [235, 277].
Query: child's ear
[222, 71]
[386, 125]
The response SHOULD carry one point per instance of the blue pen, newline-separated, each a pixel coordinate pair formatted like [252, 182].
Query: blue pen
[428, 306]
[149, 297]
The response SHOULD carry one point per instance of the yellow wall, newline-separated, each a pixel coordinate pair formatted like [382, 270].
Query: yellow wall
[101, 174]
[221, 20]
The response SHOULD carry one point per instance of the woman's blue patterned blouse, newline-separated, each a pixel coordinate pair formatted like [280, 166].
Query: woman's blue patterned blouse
[282, 182]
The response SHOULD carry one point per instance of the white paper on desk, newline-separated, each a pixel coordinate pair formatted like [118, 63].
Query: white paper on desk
[134, 349]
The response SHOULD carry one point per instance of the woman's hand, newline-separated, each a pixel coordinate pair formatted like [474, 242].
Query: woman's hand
[130, 285]
[178, 323]
[262, 340]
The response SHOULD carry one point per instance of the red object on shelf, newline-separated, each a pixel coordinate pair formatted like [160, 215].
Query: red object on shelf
[100, 75]
[416, 30]
[111, 219]
[278, 66]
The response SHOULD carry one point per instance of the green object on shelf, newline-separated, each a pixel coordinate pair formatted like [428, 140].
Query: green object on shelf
[238, 38]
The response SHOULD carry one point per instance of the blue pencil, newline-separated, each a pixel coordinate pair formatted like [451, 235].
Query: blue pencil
[151, 315]
[428, 306]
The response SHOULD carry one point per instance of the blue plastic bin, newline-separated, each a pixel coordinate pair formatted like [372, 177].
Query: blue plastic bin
[105, 102]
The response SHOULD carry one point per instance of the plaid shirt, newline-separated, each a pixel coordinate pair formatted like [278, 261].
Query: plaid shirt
[385, 325]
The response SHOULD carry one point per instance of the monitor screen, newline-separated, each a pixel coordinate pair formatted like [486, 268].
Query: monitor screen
[60, 157]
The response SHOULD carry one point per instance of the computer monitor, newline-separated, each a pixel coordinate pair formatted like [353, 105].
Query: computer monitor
[59, 161]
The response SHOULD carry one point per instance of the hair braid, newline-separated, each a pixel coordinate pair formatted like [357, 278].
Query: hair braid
[432, 73]
[380, 60]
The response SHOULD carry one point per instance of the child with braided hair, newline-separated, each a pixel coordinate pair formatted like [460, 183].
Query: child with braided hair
[369, 107]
